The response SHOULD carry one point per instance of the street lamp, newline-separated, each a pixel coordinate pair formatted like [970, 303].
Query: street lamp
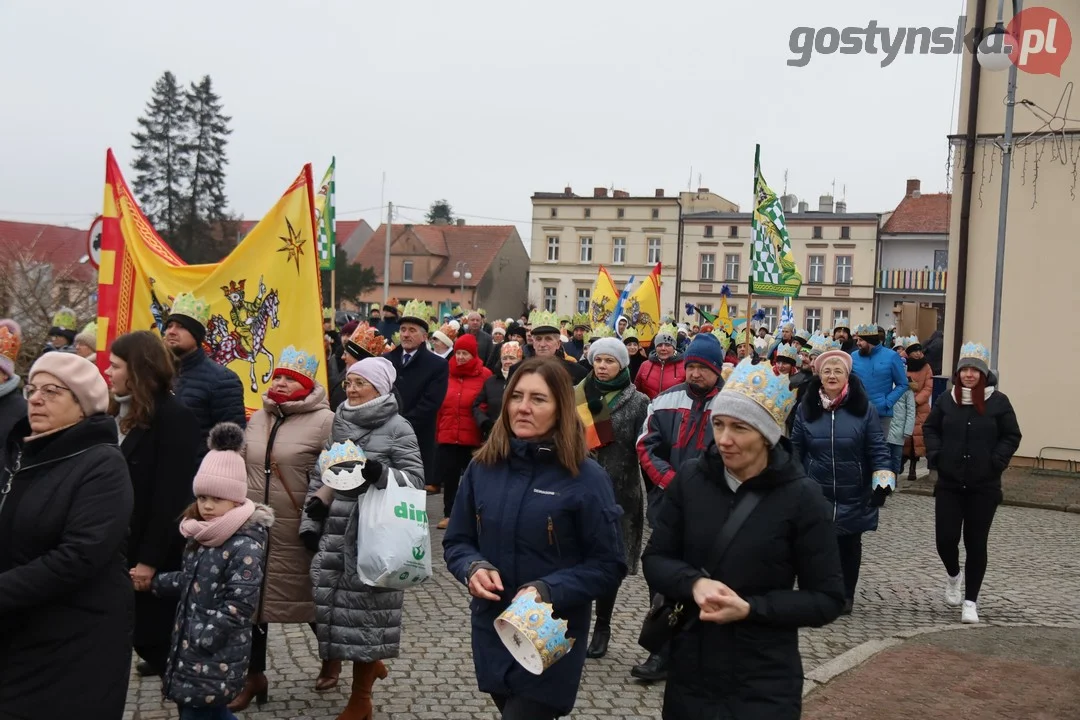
[993, 55]
[462, 271]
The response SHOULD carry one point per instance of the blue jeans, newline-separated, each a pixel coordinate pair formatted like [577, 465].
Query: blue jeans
[897, 452]
[217, 712]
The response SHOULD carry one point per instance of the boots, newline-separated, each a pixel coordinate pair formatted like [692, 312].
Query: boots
[598, 645]
[255, 686]
[364, 675]
[328, 675]
[911, 474]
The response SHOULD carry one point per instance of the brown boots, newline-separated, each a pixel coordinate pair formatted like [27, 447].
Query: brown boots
[328, 675]
[255, 687]
[364, 675]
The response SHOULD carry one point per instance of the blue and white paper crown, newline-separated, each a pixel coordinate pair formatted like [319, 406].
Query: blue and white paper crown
[534, 637]
[299, 361]
[885, 479]
[788, 351]
[759, 383]
[341, 453]
[867, 329]
[973, 354]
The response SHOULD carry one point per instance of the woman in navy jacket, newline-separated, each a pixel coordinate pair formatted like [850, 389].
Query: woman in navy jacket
[534, 514]
[838, 439]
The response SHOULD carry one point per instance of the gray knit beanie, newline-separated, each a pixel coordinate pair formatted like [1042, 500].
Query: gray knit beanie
[610, 346]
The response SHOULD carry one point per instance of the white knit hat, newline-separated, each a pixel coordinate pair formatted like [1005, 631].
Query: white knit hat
[610, 346]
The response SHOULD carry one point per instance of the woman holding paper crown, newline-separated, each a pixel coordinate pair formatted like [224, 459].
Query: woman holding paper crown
[736, 530]
[283, 442]
[971, 435]
[535, 519]
[355, 622]
[837, 437]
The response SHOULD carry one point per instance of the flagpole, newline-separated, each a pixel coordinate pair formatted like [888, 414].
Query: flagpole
[333, 293]
[750, 282]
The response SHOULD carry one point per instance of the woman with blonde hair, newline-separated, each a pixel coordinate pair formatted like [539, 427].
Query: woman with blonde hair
[534, 515]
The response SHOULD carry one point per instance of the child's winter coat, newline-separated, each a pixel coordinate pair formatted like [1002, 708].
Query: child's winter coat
[903, 422]
[219, 589]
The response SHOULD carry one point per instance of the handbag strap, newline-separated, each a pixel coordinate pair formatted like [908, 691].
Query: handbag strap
[741, 511]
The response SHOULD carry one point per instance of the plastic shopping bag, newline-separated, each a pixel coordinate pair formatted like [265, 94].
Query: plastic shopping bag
[393, 545]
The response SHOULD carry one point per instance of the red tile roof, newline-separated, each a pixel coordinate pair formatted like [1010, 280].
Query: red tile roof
[59, 246]
[925, 214]
[475, 244]
[345, 228]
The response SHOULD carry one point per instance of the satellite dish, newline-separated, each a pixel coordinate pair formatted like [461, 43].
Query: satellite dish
[93, 241]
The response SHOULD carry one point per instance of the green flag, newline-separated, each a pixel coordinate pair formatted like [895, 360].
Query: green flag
[772, 265]
[325, 201]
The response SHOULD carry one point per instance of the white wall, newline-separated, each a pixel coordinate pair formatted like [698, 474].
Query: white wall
[910, 254]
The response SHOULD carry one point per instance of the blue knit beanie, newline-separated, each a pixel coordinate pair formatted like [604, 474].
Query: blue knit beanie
[705, 349]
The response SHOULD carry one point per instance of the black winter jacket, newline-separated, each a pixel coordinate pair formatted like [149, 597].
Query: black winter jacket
[841, 450]
[12, 410]
[749, 669]
[488, 403]
[970, 451]
[211, 391]
[421, 389]
[65, 594]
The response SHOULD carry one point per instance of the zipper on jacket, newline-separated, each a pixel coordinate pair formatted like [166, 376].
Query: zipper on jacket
[268, 461]
[553, 539]
[11, 476]
[832, 447]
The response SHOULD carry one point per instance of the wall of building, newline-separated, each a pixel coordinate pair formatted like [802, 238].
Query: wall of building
[910, 254]
[1042, 255]
[504, 290]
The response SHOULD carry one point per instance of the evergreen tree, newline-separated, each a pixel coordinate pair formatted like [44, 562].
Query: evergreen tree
[161, 164]
[204, 209]
[440, 210]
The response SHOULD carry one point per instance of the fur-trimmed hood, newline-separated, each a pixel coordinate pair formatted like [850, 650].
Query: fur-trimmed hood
[263, 516]
[856, 402]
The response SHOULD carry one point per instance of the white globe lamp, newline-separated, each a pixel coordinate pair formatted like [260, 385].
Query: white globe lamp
[994, 50]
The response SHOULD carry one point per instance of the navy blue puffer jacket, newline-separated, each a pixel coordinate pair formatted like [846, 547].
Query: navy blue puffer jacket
[841, 450]
[211, 391]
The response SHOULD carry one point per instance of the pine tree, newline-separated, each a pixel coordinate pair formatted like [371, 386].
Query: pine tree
[161, 163]
[440, 210]
[205, 212]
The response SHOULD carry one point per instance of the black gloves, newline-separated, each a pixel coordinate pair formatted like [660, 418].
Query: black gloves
[877, 499]
[311, 539]
[373, 474]
[317, 510]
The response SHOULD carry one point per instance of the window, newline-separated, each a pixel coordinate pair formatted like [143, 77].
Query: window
[588, 213]
[707, 307]
[816, 276]
[553, 249]
[732, 310]
[708, 231]
[618, 250]
[554, 212]
[941, 260]
[813, 320]
[656, 213]
[708, 267]
[840, 315]
[551, 298]
[586, 250]
[654, 250]
[731, 266]
[845, 232]
[583, 297]
[620, 213]
[406, 271]
[817, 232]
[733, 231]
[843, 269]
[770, 318]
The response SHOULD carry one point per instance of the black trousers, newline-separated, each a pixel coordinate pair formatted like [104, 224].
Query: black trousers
[850, 547]
[969, 514]
[451, 461]
[515, 707]
[258, 646]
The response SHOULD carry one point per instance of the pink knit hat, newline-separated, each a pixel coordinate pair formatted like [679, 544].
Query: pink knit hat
[841, 355]
[223, 472]
[78, 375]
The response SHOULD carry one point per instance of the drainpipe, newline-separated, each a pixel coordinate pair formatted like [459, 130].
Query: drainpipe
[678, 265]
[965, 192]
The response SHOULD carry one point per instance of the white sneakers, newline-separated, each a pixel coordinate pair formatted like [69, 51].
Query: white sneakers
[970, 613]
[953, 597]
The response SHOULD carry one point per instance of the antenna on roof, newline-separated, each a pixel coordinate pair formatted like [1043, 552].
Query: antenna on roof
[844, 192]
[690, 180]
[785, 182]
[699, 179]
[833, 187]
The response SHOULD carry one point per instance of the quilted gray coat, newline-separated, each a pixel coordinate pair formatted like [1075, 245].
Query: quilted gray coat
[219, 591]
[354, 621]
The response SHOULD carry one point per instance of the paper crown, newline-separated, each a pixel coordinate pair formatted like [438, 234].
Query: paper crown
[89, 329]
[534, 637]
[543, 318]
[190, 306]
[417, 309]
[740, 337]
[762, 345]
[911, 340]
[10, 339]
[457, 311]
[498, 325]
[669, 329]
[723, 337]
[337, 457]
[328, 313]
[802, 334]
[299, 361]
[842, 322]
[450, 329]
[789, 352]
[885, 479]
[602, 330]
[819, 344]
[759, 383]
[481, 311]
[65, 319]
[630, 334]
[867, 329]
[367, 339]
[582, 320]
[973, 354]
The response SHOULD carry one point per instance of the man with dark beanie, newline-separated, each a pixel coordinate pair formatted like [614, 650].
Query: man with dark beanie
[211, 391]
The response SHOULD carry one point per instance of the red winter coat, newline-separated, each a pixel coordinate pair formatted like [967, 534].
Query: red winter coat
[654, 377]
[456, 425]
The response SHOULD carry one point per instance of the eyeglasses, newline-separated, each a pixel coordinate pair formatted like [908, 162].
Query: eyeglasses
[356, 383]
[49, 392]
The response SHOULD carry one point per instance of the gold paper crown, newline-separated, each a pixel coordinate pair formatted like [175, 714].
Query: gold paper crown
[602, 330]
[498, 325]
[482, 311]
[328, 313]
[369, 339]
[450, 331]
[417, 309]
[90, 328]
[190, 306]
[669, 329]
[629, 334]
[582, 320]
[723, 337]
[10, 339]
[543, 318]
[65, 319]
[759, 383]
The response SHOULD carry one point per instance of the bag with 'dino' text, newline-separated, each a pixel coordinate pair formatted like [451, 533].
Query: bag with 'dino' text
[393, 545]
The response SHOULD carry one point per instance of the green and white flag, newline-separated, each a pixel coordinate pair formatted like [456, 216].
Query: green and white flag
[772, 265]
[325, 220]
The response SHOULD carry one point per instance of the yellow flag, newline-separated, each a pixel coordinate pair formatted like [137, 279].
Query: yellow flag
[642, 308]
[262, 298]
[604, 297]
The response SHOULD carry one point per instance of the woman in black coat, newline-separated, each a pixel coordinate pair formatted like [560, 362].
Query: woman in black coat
[488, 403]
[971, 435]
[65, 595]
[161, 441]
[739, 657]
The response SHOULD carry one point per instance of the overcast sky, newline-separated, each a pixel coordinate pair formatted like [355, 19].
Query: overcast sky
[477, 101]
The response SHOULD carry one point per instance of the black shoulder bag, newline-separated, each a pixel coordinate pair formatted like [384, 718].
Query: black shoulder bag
[667, 618]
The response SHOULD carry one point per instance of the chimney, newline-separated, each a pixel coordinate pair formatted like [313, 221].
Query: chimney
[600, 192]
[568, 191]
[620, 194]
[804, 206]
[787, 202]
[461, 222]
[841, 206]
[702, 190]
[825, 204]
[440, 221]
[659, 192]
[913, 188]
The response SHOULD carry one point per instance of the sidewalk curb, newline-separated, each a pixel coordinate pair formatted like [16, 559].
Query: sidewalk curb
[928, 492]
[829, 671]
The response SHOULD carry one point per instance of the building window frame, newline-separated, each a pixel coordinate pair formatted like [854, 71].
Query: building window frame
[815, 263]
[732, 266]
[584, 297]
[588, 213]
[654, 247]
[844, 269]
[845, 232]
[733, 231]
[839, 314]
[772, 317]
[554, 212]
[656, 213]
[817, 235]
[551, 298]
[941, 255]
[585, 254]
[552, 249]
[708, 231]
[812, 319]
[406, 271]
[707, 267]
[620, 213]
[618, 251]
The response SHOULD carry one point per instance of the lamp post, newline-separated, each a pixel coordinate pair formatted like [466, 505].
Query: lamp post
[993, 55]
[461, 271]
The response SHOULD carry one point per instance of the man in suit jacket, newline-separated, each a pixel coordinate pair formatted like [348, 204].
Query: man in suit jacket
[474, 325]
[421, 385]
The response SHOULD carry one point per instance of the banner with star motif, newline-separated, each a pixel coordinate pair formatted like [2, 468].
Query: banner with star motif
[263, 297]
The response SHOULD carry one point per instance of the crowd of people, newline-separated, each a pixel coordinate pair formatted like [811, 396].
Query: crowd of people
[142, 511]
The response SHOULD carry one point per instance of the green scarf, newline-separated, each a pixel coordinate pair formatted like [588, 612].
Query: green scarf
[593, 399]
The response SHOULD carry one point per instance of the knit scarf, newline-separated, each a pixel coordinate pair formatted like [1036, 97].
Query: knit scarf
[593, 399]
[833, 404]
[213, 533]
[123, 404]
[965, 395]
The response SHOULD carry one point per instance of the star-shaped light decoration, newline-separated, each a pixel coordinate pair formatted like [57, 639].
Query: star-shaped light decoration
[294, 245]
[1055, 125]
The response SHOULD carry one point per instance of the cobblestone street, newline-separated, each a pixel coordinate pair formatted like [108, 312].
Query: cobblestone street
[1033, 578]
